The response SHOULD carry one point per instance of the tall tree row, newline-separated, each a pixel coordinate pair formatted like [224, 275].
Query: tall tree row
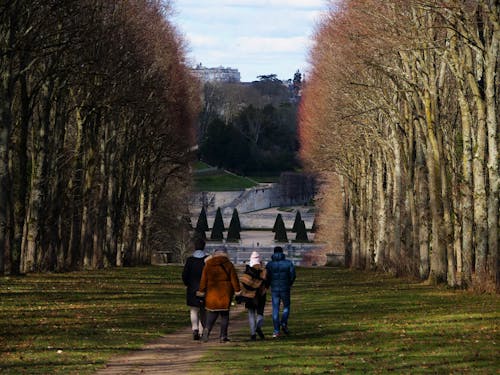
[96, 108]
[402, 103]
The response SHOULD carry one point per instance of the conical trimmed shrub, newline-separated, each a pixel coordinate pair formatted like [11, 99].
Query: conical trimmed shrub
[301, 232]
[296, 223]
[218, 228]
[202, 223]
[280, 230]
[233, 233]
[236, 218]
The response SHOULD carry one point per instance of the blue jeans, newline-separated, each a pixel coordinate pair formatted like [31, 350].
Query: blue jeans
[276, 299]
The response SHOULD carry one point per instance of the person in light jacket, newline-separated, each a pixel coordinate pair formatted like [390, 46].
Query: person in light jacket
[253, 290]
[280, 276]
[219, 283]
[191, 276]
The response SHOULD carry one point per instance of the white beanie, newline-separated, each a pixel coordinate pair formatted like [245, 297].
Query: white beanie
[254, 259]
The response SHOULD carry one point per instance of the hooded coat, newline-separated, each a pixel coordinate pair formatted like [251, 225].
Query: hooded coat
[219, 282]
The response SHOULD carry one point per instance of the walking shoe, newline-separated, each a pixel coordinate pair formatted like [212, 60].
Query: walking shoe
[196, 334]
[276, 335]
[260, 333]
[204, 338]
[253, 337]
[285, 330]
[224, 339]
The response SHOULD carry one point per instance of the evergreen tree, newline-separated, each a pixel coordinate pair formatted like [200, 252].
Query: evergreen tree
[278, 218]
[218, 228]
[233, 233]
[297, 83]
[296, 223]
[280, 230]
[301, 232]
[202, 223]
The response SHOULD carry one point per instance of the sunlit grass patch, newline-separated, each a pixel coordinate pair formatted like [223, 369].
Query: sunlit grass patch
[222, 182]
[71, 323]
[352, 322]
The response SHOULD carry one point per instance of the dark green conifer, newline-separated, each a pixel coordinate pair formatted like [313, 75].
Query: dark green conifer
[279, 230]
[301, 232]
[296, 223]
[233, 233]
[236, 218]
[218, 227]
[202, 223]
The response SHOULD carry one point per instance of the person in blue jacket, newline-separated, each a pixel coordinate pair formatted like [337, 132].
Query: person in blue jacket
[280, 277]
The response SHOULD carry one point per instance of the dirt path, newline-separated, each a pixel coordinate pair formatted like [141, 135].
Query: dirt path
[176, 353]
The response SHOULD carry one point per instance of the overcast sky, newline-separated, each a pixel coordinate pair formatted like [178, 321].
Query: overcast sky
[255, 36]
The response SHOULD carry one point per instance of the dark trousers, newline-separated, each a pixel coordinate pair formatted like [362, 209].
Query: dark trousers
[212, 317]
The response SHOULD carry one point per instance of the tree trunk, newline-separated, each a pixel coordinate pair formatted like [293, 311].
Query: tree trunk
[20, 182]
[422, 203]
[491, 82]
[370, 202]
[395, 250]
[141, 223]
[480, 199]
[466, 261]
[4, 170]
[362, 214]
[110, 247]
[448, 230]
[32, 258]
[380, 241]
[75, 186]
[438, 262]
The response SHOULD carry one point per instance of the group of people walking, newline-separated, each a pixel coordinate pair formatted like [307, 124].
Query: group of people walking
[212, 282]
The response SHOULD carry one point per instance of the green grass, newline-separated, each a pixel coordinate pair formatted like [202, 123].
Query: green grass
[286, 209]
[354, 323]
[219, 180]
[72, 323]
[200, 165]
[222, 182]
[266, 179]
[341, 321]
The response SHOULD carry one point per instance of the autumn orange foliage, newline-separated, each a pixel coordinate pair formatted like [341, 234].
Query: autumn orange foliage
[390, 107]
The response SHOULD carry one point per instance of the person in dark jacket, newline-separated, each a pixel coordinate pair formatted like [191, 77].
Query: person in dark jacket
[280, 276]
[191, 276]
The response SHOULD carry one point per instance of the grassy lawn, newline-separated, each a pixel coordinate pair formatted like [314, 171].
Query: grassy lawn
[219, 180]
[200, 165]
[222, 182]
[71, 323]
[266, 179]
[354, 323]
[341, 322]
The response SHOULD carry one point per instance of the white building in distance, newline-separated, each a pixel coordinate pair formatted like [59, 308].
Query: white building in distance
[219, 74]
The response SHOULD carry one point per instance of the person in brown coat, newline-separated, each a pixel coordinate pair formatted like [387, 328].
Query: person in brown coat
[219, 282]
